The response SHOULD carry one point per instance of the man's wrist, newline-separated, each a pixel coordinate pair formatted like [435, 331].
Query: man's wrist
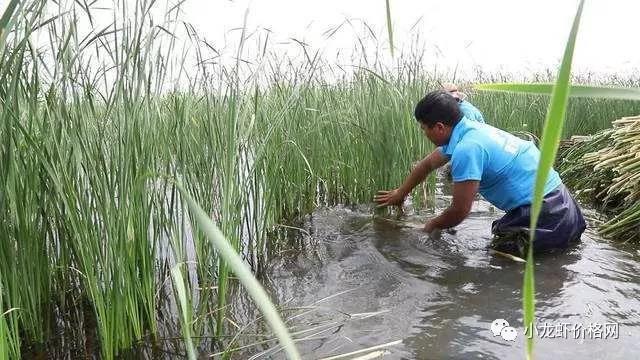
[430, 226]
[434, 224]
[404, 192]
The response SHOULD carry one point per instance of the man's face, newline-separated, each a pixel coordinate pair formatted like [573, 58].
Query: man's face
[438, 134]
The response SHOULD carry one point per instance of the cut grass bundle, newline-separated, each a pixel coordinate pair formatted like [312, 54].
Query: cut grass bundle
[611, 158]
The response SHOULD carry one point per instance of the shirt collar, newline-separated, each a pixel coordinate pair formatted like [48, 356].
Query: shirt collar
[456, 136]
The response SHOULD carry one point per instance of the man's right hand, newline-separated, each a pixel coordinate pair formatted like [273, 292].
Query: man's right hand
[396, 197]
[390, 198]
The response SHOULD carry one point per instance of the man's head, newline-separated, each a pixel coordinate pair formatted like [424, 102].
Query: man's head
[454, 91]
[438, 112]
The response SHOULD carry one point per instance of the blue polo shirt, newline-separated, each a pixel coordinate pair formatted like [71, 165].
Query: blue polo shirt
[504, 164]
[470, 111]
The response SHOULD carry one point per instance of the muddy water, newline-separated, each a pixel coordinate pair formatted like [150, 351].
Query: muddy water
[369, 281]
[348, 280]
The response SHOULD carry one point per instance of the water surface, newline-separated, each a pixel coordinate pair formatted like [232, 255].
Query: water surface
[382, 282]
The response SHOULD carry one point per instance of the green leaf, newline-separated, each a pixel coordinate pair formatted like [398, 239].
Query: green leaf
[243, 273]
[576, 91]
[551, 135]
[7, 19]
[389, 28]
[178, 284]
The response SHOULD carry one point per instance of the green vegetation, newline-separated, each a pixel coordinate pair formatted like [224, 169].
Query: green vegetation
[93, 141]
[551, 135]
[526, 112]
[88, 211]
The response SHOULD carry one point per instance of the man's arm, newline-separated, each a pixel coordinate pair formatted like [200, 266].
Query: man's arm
[430, 163]
[463, 194]
[420, 172]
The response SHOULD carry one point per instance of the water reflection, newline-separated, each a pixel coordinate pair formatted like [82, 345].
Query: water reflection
[351, 281]
[440, 295]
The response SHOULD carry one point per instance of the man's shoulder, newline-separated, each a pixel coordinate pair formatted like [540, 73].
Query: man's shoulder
[475, 133]
[472, 142]
[466, 103]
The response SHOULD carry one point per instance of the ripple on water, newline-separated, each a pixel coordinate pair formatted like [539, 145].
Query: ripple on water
[440, 295]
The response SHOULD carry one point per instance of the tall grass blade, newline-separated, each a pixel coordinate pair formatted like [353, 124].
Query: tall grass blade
[9, 339]
[7, 20]
[185, 310]
[242, 271]
[551, 135]
[389, 27]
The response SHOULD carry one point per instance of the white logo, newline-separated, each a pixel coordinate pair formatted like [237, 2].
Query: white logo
[508, 333]
[500, 327]
[508, 143]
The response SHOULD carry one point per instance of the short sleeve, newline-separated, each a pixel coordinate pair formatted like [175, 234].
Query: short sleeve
[468, 162]
[443, 151]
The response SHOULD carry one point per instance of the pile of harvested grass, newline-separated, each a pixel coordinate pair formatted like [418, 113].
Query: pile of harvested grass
[605, 170]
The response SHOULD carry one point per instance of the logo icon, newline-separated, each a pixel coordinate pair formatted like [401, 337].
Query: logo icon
[508, 333]
[500, 327]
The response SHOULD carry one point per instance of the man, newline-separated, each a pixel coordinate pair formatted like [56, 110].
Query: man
[469, 111]
[501, 166]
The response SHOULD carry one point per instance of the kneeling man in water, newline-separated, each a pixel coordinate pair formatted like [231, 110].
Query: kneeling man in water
[498, 165]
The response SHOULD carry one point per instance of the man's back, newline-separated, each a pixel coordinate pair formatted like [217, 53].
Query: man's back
[471, 112]
[504, 164]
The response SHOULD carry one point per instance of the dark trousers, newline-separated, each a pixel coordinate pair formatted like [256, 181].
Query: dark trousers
[560, 224]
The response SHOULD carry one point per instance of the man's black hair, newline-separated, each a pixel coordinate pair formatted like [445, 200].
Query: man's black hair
[438, 106]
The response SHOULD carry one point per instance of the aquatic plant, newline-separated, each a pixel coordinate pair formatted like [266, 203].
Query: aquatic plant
[99, 124]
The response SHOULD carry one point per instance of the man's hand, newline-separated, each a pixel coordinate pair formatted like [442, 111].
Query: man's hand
[432, 231]
[390, 198]
[396, 197]
[429, 227]
[463, 195]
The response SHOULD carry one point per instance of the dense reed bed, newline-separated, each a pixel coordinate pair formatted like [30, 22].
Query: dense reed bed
[94, 136]
[526, 112]
[89, 210]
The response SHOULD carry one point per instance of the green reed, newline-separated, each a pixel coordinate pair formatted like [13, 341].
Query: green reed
[94, 133]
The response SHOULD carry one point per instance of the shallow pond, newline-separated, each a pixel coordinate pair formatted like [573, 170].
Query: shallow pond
[439, 297]
[348, 280]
